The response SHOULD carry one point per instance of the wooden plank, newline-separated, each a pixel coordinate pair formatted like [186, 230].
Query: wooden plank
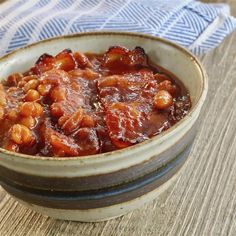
[203, 200]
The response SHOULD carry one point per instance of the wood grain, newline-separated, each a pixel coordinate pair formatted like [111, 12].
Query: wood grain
[202, 202]
[232, 4]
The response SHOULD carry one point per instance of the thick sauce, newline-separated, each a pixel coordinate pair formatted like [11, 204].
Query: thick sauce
[78, 104]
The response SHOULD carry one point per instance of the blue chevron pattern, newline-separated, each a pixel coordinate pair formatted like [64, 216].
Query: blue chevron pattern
[195, 25]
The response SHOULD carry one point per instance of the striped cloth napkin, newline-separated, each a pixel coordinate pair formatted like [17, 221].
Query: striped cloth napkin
[195, 25]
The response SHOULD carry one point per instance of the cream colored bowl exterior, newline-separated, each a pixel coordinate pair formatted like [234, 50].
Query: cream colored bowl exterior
[105, 213]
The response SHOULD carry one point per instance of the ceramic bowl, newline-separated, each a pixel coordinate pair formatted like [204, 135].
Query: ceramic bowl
[103, 186]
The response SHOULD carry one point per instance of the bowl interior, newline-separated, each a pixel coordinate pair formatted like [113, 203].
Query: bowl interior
[161, 52]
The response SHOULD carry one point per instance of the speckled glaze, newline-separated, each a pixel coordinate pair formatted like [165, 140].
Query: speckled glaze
[98, 187]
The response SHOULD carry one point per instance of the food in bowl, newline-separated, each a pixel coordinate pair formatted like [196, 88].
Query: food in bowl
[77, 104]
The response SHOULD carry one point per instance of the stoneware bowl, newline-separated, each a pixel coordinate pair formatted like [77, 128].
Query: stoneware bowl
[103, 186]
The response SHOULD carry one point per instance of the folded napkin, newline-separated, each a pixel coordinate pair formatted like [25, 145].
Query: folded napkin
[195, 25]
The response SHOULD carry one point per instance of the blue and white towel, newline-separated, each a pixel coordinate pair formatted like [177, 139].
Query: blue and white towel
[195, 25]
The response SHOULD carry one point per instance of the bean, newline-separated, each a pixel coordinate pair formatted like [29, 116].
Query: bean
[21, 84]
[28, 121]
[44, 89]
[3, 100]
[30, 77]
[13, 79]
[12, 114]
[32, 84]
[168, 86]
[31, 109]
[1, 112]
[32, 95]
[163, 100]
[57, 109]
[58, 94]
[20, 134]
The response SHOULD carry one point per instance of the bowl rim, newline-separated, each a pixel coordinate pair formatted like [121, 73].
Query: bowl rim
[193, 58]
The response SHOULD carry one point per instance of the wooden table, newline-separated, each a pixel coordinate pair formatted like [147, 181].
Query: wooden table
[202, 202]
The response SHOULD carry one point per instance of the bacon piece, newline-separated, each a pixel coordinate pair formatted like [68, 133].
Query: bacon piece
[82, 60]
[87, 141]
[54, 77]
[63, 61]
[57, 144]
[122, 55]
[63, 145]
[44, 63]
[73, 122]
[124, 122]
[87, 74]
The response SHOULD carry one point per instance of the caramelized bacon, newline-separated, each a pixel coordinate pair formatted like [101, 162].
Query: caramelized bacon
[123, 56]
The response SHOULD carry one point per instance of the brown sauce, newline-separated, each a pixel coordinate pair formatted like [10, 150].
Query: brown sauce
[78, 104]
